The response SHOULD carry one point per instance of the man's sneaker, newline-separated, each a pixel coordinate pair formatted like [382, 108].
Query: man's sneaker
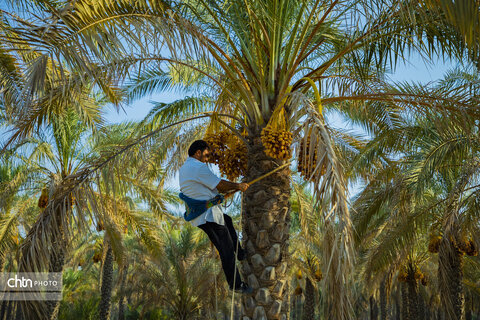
[244, 288]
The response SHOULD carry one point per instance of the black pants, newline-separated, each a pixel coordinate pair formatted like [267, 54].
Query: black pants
[224, 238]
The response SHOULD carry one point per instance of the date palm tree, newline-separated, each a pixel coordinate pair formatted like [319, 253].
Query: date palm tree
[265, 63]
[55, 159]
[432, 184]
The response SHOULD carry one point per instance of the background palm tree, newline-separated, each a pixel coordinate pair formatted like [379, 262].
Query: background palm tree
[63, 157]
[406, 207]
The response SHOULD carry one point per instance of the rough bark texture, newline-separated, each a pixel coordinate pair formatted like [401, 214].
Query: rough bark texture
[383, 302]
[121, 300]
[422, 313]
[57, 259]
[413, 311]
[450, 274]
[309, 306]
[412, 295]
[107, 284]
[405, 305]
[266, 224]
[397, 307]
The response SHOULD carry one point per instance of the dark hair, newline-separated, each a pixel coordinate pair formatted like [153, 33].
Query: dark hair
[197, 145]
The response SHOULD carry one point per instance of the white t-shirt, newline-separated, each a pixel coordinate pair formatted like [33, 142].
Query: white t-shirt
[198, 182]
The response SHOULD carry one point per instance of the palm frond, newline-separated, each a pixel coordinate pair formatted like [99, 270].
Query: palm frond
[328, 181]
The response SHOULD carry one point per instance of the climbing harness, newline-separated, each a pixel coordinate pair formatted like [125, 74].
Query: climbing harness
[195, 208]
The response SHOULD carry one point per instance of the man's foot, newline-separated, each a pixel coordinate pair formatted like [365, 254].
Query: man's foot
[244, 288]
[241, 255]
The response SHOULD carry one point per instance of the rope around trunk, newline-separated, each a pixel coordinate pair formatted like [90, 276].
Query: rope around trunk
[229, 194]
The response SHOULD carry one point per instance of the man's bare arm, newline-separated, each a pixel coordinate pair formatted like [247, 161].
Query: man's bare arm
[225, 186]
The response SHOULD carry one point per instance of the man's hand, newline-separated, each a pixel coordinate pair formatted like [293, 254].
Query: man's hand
[225, 186]
[243, 186]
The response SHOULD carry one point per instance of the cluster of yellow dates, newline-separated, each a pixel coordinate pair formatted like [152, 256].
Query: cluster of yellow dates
[465, 246]
[229, 153]
[468, 247]
[318, 276]
[419, 276]
[277, 143]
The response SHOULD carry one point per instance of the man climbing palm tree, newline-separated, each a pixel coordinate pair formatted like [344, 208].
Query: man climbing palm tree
[200, 189]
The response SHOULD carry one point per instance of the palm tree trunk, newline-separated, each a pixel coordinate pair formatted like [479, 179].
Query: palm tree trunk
[3, 308]
[309, 306]
[266, 224]
[428, 313]
[373, 309]
[412, 294]
[107, 283]
[468, 308]
[18, 314]
[398, 309]
[405, 302]
[468, 314]
[121, 301]
[450, 274]
[57, 259]
[421, 307]
[383, 301]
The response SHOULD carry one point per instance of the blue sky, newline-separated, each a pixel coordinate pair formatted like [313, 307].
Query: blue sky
[416, 71]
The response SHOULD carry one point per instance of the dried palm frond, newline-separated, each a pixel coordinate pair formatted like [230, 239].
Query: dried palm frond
[338, 236]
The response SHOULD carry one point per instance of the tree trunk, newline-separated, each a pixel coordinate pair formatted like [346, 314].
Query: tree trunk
[422, 312]
[412, 284]
[107, 283]
[373, 309]
[440, 314]
[405, 302]
[383, 302]
[57, 259]
[4, 309]
[266, 224]
[309, 306]
[398, 309]
[18, 314]
[121, 301]
[468, 315]
[450, 275]
[3, 304]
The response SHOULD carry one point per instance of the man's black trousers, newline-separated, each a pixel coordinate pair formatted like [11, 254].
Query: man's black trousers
[224, 238]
